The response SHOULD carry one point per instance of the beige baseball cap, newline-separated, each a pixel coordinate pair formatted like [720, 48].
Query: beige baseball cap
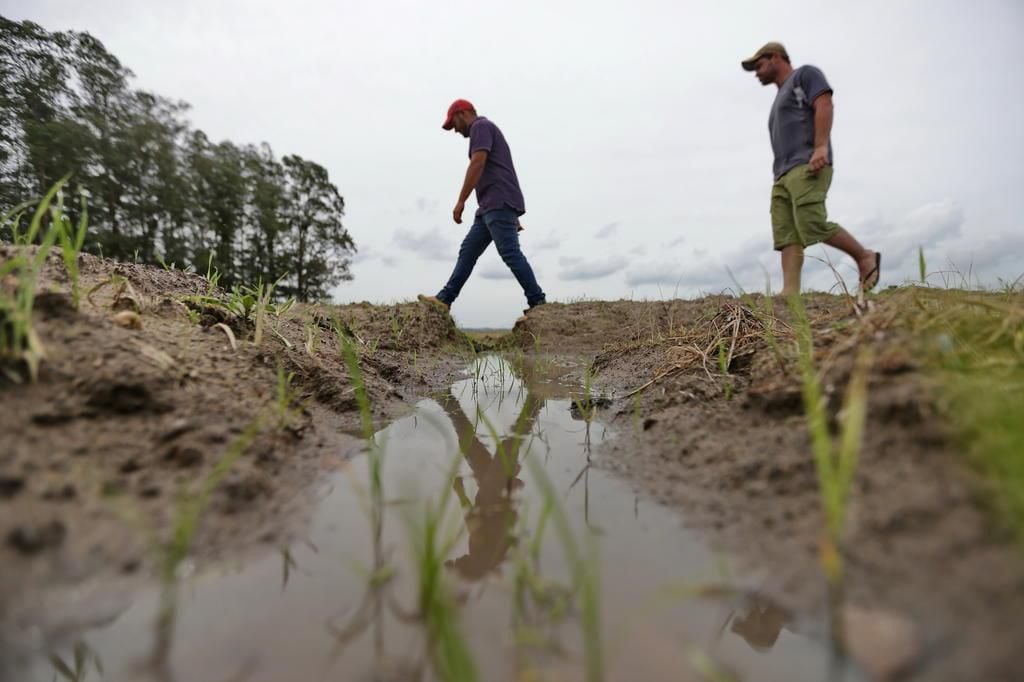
[768, 48]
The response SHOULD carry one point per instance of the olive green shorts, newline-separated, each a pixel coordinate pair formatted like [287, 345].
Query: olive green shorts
[798, 208]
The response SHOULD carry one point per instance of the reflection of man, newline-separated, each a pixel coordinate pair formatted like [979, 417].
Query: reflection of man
[761, 626]
[491, 517]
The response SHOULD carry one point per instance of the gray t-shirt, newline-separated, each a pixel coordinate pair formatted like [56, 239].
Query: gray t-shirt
[498, 186]
[791, 122]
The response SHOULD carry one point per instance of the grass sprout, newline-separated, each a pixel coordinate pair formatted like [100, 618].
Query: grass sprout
[19, 342]
[835, 466]
[431, 542]
[975, 350]
[584, 566]
[174, 551]
[71, 242]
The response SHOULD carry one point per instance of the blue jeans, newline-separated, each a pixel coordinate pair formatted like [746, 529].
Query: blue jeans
[498, 226]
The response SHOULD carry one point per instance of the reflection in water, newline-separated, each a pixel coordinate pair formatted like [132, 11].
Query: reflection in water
[491, 516]
[761, 625]
[522, 606]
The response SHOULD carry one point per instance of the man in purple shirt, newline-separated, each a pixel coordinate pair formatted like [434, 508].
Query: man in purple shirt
[500, 203]
[800, 125]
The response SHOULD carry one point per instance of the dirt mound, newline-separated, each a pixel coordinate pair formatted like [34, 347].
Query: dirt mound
[146, 385]
[712, 422]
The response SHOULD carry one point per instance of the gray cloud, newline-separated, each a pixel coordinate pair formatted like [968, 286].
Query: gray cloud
[676, 242]
[952, 250]
[495, 271]
[607, 231]
[367, 253]
[997, 253]
[931, 226]
[705, 274]
[548, 243]
[421, 206]
[583, 270]
[429, 244]
[639, 250]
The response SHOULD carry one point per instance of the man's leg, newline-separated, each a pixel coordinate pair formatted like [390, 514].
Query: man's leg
[786, 238]
[792, 264]
[865, 258]
[814, 226]
[502, 225]
[476, 240]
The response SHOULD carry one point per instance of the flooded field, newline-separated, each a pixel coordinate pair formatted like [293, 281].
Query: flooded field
[492, 549]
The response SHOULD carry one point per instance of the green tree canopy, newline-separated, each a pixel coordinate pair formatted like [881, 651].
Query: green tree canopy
[158, 189]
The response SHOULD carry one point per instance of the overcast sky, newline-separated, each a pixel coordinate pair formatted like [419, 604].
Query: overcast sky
[641, 145]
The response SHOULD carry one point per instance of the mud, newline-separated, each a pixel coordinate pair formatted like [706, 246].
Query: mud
[123, 421]
[922, 541]
[507, 426]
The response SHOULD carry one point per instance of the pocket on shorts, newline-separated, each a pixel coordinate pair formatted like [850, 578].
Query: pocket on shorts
[812, 197]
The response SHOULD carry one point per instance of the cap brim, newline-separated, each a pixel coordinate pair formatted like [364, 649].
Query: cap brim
[749, 64]
[449, 122]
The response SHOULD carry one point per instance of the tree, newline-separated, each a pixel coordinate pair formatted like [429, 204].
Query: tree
[159, 190]
[321, 247]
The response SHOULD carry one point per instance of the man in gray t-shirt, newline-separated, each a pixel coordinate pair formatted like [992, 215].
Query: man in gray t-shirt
[800, 125]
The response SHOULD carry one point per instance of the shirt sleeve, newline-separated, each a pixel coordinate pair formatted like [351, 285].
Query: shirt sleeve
[481, 137]
[814, 83]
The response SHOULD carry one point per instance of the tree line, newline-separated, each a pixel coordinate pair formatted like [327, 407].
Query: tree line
[156, 189]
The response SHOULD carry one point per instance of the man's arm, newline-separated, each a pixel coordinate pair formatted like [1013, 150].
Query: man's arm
[476, 168]
[822, 129]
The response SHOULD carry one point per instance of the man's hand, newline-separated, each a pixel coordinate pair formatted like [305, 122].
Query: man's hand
[457, 212]
[819, 159]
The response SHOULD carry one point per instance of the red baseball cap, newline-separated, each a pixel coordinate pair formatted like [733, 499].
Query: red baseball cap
[457, 106]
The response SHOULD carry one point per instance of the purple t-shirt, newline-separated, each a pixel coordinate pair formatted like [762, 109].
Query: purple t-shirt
[498, 186]
[791, 121]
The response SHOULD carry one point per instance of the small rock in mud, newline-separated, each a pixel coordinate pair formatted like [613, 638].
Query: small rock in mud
[649, 422]
[31, 540]
[11, 486]
[128, 319]
[885, 644]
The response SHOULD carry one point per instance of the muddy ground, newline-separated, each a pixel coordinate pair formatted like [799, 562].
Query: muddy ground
[923, 543]
[124, 419]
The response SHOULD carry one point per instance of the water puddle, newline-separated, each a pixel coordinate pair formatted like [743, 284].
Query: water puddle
[554, 566]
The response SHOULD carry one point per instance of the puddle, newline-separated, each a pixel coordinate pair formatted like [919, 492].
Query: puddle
[308, 612]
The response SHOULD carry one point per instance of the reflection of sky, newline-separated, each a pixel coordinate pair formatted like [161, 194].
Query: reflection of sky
[241, 615]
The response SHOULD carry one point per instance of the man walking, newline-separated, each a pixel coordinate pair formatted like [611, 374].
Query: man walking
[800, 124]
[499, 201]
